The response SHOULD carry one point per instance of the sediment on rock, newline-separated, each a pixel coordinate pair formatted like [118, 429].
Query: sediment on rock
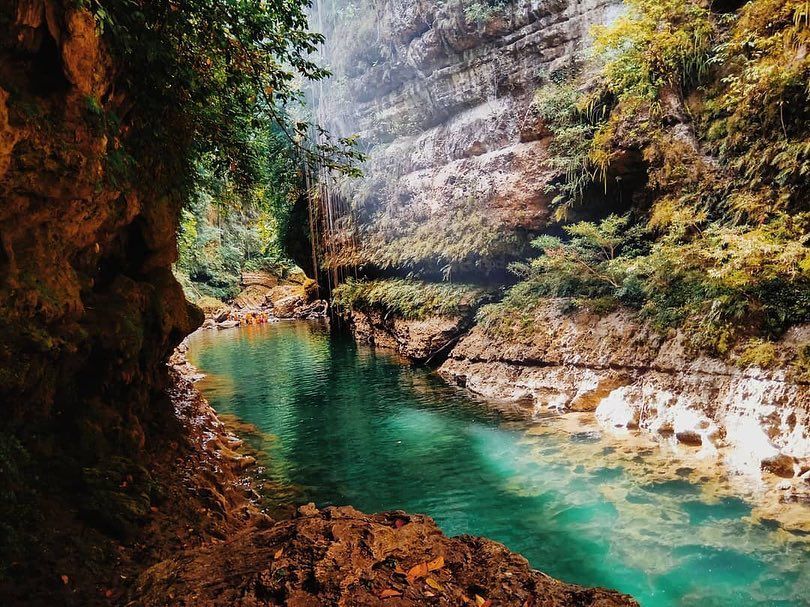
[632, 377]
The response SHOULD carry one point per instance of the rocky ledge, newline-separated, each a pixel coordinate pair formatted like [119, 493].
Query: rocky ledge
[418, 340]
[339, 556]
[632, 377]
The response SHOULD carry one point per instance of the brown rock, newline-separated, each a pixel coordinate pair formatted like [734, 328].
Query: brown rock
[689, 437]
[562, 354]
[286, 306]
[418, 340]
[340, 556]
[780, 465]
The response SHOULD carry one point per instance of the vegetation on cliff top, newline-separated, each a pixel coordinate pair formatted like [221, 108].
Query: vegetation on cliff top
[408, 298]
[716, 109]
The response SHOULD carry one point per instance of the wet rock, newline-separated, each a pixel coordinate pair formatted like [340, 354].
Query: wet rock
[418, 340]
[781, 465]
[228, 324]
[656, 382]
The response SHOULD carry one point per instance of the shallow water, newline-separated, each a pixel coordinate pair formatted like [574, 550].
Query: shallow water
[343, 424]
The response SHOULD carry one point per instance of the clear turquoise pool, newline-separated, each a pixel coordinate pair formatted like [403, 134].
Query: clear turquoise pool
[347, 425]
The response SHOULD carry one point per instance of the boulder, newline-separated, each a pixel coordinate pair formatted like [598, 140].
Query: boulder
[780, 465]
[689, 437]
[286, 306]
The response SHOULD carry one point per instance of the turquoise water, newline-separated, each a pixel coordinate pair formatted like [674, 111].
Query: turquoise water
[342, 424]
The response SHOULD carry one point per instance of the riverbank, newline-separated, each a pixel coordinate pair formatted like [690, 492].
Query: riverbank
[337, 423]
[335, 555]
[615, 375]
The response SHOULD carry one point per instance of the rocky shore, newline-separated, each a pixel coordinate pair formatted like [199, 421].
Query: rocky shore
[241, 556]
[265, 297]
[616, 374]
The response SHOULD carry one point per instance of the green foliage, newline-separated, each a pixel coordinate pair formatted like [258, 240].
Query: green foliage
[730, 283]
[757, 353]
[573, 128]
[456, 239]
[406, 298]
[595, 266]
[481, 11]
[757, 115]
[655, 45]
[718, 108]
[201, 80]
[225, 230]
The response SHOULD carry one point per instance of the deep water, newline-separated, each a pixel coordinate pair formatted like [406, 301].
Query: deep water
[343, 424]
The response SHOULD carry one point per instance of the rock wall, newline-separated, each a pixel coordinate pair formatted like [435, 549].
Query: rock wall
[89, 308]
[632, 377]
[87, 299]
[423, 340]
[443, 101]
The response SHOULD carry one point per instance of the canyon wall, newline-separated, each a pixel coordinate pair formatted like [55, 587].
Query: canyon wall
[89, 308]
[441, 98]
[88, 303]
[441, 93]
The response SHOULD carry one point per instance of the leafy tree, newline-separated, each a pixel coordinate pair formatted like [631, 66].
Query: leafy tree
[207, 80]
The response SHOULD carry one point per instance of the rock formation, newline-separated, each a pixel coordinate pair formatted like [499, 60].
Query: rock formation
[633, 377]
[443, 97]
[340, 556]
[443, 100]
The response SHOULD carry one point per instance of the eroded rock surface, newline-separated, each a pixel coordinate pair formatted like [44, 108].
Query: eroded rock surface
[632, 377]
[444, 99]
[339, 556]
[417, 340]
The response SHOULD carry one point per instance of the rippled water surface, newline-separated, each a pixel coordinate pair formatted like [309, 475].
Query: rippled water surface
[342, 424]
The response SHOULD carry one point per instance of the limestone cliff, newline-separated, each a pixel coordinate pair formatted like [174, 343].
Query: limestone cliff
[456, 174]
[633, 377]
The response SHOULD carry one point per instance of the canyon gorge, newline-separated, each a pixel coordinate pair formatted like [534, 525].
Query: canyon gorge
[654, 283]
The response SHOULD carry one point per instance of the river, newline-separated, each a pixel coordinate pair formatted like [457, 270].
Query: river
[343, 424]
